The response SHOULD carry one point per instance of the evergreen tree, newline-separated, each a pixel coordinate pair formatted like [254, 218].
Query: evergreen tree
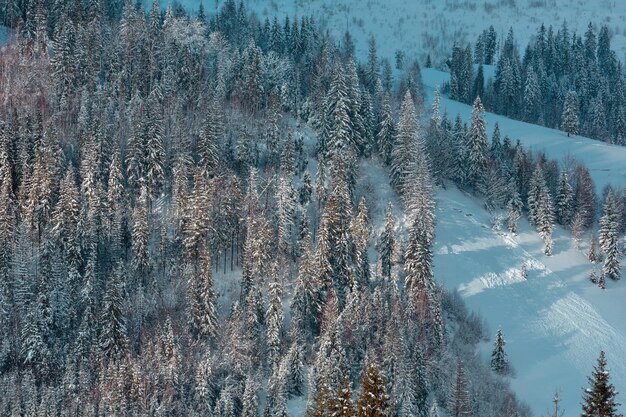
[608, 237]
[274, 318]
[569, 119]
[460, 400]
[204, 321]
[564, 200]
[599, 398]
[250, 402]
[499, 361]
[341, 405]
[114, 335]
[373, 401]
[387, 244]
[476, 148]
[386, 131]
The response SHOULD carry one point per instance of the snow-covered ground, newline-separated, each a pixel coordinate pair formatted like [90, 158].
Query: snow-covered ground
[430, 26]
[555, 322]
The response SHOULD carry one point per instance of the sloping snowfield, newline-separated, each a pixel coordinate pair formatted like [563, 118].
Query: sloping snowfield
[556, 321]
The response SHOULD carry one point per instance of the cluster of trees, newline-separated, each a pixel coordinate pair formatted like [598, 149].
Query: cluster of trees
[562, 80]
[174, 242]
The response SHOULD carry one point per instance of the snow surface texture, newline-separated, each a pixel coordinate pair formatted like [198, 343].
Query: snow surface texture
[420, 27]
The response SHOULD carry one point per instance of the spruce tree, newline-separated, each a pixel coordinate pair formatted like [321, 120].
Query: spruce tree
[373, 401]
[608, 237]
[386, 244]
[460, 400]
[499, 361]
[564, 200]
[569, 119]
[476, 148]
[114, 340]
[599, 397]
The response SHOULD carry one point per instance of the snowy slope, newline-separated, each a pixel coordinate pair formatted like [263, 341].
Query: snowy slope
[606, 163]
[555, 322]
[430, 26]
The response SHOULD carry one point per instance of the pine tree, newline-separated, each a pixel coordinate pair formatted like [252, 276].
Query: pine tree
[592, 253]
[407, 135]
[204, 321]
[514, 206]
[306, 306]
[460, 401]
[386, 131]
[564, 200]
[250, 402]
[274, 318]
[499, 361]
[373, 401]
[599, 398]
[569, 119]
[341, 405]
[476, 148]
[360, 230]
[113, 335]
[155, 152]
[140, 235]
[540, 208]
[608, 237]
[387, 244]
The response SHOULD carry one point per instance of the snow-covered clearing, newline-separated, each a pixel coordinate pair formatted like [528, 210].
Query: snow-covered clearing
[555, 322]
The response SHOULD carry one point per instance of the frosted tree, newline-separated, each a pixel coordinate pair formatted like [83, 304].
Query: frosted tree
[407, 135]
[513, 206]
[209, 139]
[360, 229]
[114, 340]
[274, 318]
[476, 148]
[387, 243]
[306, 305]
[341, 404]
[386, 131]
[564, 200]
[250, 402]
[373, 401]
[569, 118]
[460, 401]
[285, 210]
[532, 97]
[155, 151]
[140, 236]
[593, 252]
[204, 320]
[499, 361]
[608, 237]
[599, 397]
[540, 207]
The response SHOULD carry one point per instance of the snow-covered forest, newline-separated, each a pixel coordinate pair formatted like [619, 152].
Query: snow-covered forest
[213, 212]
